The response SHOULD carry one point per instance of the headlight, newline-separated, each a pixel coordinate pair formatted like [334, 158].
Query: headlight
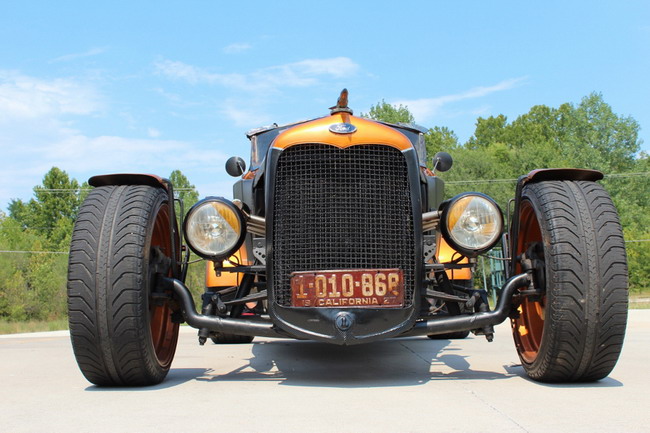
[471, 223]
[215, 228]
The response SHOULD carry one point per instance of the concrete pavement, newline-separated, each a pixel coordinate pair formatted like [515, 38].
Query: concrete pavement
[404, 385]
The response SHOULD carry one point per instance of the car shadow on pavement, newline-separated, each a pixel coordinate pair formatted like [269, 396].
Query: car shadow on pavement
[403, 362]
[607, 382]
[176, 376]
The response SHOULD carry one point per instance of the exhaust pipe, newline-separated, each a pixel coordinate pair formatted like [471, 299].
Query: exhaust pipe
[256, 225]
[430, 220]
[436, 325]
[446, 324]
[225, 325]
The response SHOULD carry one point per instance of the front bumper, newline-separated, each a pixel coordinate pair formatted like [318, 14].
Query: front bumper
[352, 325]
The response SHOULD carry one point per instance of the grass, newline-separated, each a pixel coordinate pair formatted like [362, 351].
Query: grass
[640, 300]
[639, 305]
[7, 327]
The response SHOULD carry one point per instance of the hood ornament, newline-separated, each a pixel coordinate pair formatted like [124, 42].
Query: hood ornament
[341, 104]
[342, 107]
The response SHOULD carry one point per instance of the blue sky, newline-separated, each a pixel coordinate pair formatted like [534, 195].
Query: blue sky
[100, 87]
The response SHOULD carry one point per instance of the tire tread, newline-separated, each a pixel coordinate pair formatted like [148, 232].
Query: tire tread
[107, 299]
[586, 282]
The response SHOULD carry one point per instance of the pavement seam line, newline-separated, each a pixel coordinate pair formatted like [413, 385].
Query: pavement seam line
[488, 404]
[428, 362]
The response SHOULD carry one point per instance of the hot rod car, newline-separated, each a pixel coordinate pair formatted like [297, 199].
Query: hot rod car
[339, 232]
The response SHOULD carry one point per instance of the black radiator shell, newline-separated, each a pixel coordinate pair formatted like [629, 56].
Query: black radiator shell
[367, 324]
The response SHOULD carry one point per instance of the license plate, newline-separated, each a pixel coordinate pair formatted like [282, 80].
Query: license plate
[358, 288]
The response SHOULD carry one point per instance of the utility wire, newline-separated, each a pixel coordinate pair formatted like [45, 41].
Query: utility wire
[34, 252]
[67, 252]
[68, 190]
[467, 182]
[451, 182]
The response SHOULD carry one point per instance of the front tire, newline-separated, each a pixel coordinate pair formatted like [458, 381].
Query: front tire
[121, 334]
[574, 330]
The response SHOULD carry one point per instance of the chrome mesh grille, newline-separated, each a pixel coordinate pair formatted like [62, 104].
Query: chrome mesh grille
[341, 209]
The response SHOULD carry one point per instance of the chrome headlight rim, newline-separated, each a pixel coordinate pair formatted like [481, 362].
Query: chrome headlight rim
[236, 211]
[446, 207]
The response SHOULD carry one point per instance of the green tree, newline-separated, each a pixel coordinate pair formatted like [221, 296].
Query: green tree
[488, 131]
[630, 195]
[34, 235]
[186, 191]
[611, 140]
[589, 135]
[386, 112]
[584, 135]
[53, 208]
[440, 139]
[183, 190]
[32, 282]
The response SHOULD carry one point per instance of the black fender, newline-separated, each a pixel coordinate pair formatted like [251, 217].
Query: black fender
[156, 182]
[540, 175]
[131, 179]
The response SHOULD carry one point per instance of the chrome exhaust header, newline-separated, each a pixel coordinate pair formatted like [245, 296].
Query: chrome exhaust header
[430, 220]
[256, 225]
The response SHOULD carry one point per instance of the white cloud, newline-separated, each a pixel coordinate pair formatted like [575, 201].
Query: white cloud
[298, 74]
[196, 75]
[112, 153]
[237, 48]
[173, 98]
[244, 117]
[83, 156]
[36, 135]
[426, 108]
[91, 52]
[182, 71]
[22, 96]
[480, 111]
[337, 67]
